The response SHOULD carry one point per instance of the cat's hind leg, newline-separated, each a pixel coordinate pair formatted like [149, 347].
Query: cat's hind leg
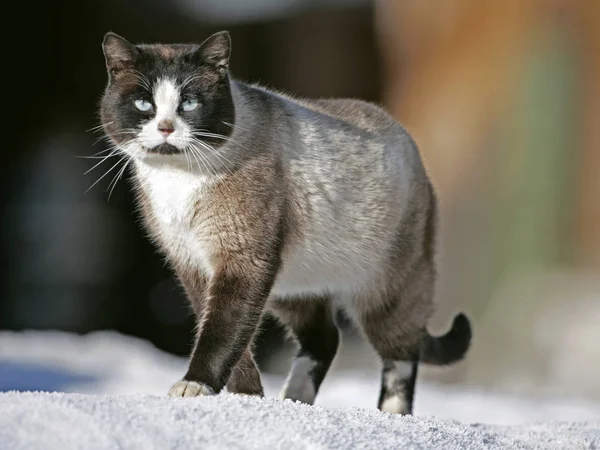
[393, 318]
[310, 321]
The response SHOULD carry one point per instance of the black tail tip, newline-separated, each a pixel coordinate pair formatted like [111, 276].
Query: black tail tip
[450, 347]
[461, 331]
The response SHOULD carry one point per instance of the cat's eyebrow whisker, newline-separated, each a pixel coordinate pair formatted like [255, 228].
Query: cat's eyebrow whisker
[189, 80]
[144, 81]
[143, 86]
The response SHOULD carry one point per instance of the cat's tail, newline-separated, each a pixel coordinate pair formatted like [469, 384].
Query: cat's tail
[450, 347]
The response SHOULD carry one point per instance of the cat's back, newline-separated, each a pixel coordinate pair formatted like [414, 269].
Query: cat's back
[360, 132]
[355, 113]
[358, 113]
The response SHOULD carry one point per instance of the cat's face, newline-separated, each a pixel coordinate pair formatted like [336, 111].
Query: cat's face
[167, 100]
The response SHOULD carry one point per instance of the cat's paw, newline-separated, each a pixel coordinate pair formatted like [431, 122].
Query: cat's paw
[190, 389]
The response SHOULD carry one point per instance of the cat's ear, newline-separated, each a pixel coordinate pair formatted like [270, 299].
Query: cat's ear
[215, 51]
[119, 53]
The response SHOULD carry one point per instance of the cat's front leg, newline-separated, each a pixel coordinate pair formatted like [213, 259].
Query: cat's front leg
[232, 307]
[245, 377]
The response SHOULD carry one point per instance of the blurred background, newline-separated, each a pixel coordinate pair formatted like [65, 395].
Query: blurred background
[503, 99]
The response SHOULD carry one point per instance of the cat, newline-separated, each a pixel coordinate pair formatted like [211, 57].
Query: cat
[265, 203]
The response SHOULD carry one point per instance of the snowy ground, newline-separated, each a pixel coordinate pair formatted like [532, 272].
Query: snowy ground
[132, 411]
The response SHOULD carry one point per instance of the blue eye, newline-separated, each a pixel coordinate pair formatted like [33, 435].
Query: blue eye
[143, 105]
[189, 104]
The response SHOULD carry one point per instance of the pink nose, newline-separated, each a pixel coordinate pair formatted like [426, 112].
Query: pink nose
[166, 128]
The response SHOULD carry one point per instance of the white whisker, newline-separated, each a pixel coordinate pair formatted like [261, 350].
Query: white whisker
[98, 128]
[106, 173]
[144, 81]
[188, 151]
[188, 81]
[96, 155]
[224, 161]
[205, 162]
[193, 155]
[187, 157]
[234, 126]
[216, 136]
[90, 157]
[116, 133]
[114, 152]
[116, 179]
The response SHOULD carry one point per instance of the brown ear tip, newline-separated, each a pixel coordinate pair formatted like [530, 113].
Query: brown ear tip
[223, 36]
[111, 36]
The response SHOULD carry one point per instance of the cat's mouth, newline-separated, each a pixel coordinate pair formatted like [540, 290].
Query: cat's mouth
[164, 149]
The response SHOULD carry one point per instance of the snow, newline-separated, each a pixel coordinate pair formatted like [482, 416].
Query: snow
[36, 420]
[112, 394]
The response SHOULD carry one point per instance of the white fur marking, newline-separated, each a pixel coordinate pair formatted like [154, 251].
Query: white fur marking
[166, 99]
[190, 389]
[172, 194]
[395, 405]
[397, 402]
[299, 384]
[402, 371]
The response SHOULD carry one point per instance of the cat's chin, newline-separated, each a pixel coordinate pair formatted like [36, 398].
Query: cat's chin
[164, 149]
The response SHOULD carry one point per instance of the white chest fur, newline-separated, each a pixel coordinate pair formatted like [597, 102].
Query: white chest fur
[172, 194]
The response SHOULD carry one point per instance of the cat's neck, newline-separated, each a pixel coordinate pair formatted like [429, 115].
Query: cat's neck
[248, 103]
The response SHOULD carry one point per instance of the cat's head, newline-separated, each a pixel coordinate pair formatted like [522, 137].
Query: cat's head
[164, 100]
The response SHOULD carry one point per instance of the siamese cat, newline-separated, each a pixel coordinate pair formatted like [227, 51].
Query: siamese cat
[266, 203]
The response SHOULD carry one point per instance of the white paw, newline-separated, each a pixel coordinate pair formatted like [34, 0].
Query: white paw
[394, 405]
[190, 389]
[299, 384]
